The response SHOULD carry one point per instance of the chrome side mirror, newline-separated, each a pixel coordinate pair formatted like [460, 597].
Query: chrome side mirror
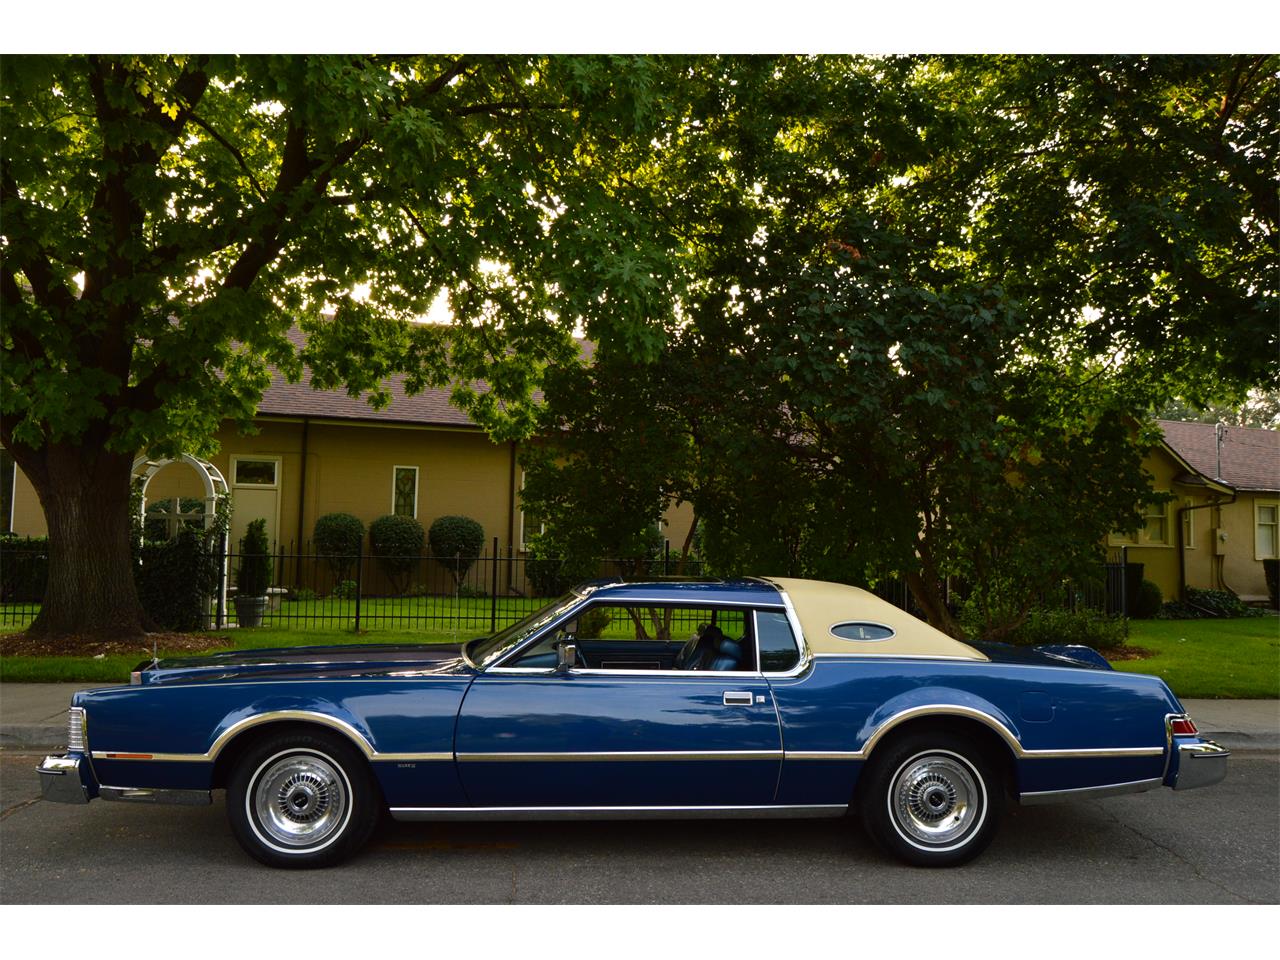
[566, 655]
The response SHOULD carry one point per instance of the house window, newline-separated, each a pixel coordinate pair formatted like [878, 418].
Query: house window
[1155, 523]
[255, 473]
[1266, 530]
[530, 525]
[8, 479]
[1188, 527]
[404, 491]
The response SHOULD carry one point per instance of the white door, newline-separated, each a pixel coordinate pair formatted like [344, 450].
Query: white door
[255, 495]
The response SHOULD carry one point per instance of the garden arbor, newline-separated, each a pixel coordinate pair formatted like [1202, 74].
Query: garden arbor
[215, 489]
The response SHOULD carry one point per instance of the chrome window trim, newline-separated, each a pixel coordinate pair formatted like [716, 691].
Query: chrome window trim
[854, 655]
[802, 645]
[598, 600]
[1105, 790]
[795, 811]
[571, 756]
[868, 623]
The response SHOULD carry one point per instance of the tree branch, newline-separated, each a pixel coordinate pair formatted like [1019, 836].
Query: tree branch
[231, 149]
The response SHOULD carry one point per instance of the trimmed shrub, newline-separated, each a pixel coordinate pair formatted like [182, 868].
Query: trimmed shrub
[176, 579]
[593, 623]
[346, 590]
[550, 574]
[1148, 601]
[456, 542]
[1208, 604]
[397, 542]
[337, 539]
[1271, 568]
[24, 568]
[254, 575]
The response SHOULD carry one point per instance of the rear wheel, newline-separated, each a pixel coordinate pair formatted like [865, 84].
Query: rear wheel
[302, 799]
[931, 799]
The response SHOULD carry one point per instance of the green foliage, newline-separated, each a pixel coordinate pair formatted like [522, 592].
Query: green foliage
[338, 538]
[456, 542]
[397, 542]
[254, 574]
[1208, 604]
[1083, 627]
[24, 568]
[550, 573]
[176, 578]
[301, 595]
[1271, 570]
[1148, 601]
[345, 590]
[593, 623]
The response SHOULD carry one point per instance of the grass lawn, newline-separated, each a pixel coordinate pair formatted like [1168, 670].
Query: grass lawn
[1210, 658]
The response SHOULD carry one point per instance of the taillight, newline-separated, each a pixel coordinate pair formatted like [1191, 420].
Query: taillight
[75, 730]
[1182, 727]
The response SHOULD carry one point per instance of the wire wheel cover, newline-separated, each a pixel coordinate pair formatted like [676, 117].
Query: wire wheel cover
[300, 799]
[935, 799]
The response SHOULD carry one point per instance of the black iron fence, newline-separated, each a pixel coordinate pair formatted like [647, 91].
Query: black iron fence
[460, 595]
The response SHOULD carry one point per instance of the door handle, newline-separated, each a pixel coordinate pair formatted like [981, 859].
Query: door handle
[738, 698]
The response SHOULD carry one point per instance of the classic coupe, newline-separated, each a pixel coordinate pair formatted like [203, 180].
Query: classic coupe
[759, 697]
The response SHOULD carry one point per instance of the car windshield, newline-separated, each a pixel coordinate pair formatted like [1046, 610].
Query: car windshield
[486, 650]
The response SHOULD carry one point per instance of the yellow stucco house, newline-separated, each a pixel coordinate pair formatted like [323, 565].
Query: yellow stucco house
[1224, 517]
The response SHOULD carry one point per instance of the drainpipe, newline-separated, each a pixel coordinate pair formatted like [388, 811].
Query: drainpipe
[1182, 547]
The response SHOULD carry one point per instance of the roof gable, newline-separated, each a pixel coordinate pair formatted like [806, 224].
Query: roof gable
[1250, 456]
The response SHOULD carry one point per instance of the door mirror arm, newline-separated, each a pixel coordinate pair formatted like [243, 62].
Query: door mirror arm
[566, 654]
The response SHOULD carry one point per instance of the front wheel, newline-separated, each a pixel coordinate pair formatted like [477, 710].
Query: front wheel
[302, 799]
[931, 799]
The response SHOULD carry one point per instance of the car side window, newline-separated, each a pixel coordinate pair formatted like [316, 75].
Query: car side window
[778, 649]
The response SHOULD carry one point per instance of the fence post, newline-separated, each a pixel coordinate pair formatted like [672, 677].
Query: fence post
[359, 568]
[493, 593]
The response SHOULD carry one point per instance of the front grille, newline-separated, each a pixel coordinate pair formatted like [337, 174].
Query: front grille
[75, 730]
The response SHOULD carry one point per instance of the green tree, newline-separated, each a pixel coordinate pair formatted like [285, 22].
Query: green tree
[935, 297]
[166, 219]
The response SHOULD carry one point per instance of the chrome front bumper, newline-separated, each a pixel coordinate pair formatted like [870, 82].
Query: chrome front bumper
[1200, 764]
[60, 780]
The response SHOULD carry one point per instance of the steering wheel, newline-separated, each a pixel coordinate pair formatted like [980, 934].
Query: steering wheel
[685, 653]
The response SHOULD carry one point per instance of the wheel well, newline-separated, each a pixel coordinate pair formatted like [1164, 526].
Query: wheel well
[992, 745]
[236, 747]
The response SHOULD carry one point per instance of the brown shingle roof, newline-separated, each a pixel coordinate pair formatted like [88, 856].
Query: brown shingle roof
[1250, 456]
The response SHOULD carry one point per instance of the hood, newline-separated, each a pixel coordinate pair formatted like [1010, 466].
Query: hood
[307, 663]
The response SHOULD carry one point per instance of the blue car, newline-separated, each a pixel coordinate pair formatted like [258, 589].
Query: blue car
[760, 697]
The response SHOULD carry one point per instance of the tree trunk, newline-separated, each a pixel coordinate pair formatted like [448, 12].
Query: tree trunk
[927, 594]
[85, 496]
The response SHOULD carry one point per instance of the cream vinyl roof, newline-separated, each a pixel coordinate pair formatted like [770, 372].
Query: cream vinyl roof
[820, 606]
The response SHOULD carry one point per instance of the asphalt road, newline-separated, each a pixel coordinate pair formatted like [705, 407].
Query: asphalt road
[1217, 845]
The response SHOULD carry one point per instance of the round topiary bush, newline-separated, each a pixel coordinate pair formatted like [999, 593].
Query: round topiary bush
[337, 539]
[397, 543]
[456, 542]
[1148, 601]
[254, 575]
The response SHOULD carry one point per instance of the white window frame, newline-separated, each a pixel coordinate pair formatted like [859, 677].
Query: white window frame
[1257, 523]
[417, 477]
[542, 527]
[1147, 514]
[1189, 525]
[236, 460]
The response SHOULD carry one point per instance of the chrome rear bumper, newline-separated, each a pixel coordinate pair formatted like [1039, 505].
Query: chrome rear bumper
[60, 780]
[1200, 764]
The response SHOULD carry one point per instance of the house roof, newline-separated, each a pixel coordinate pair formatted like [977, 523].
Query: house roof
[1250, 456]
[431, 407]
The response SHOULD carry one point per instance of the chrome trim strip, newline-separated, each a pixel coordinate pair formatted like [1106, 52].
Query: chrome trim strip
[185, 798]
[823, 755]
[309, 716]
[858, 655]
[1106, 790]
[618, 813]
[806, 655]
[619, 755]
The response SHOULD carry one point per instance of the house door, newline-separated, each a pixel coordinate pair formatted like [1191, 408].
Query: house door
[255, 495]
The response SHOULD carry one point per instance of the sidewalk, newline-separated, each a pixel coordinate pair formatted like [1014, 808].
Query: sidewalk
[33, 717]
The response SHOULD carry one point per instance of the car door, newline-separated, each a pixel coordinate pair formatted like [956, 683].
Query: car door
[618, 738]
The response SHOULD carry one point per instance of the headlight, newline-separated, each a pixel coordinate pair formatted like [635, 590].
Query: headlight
[75, 730]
